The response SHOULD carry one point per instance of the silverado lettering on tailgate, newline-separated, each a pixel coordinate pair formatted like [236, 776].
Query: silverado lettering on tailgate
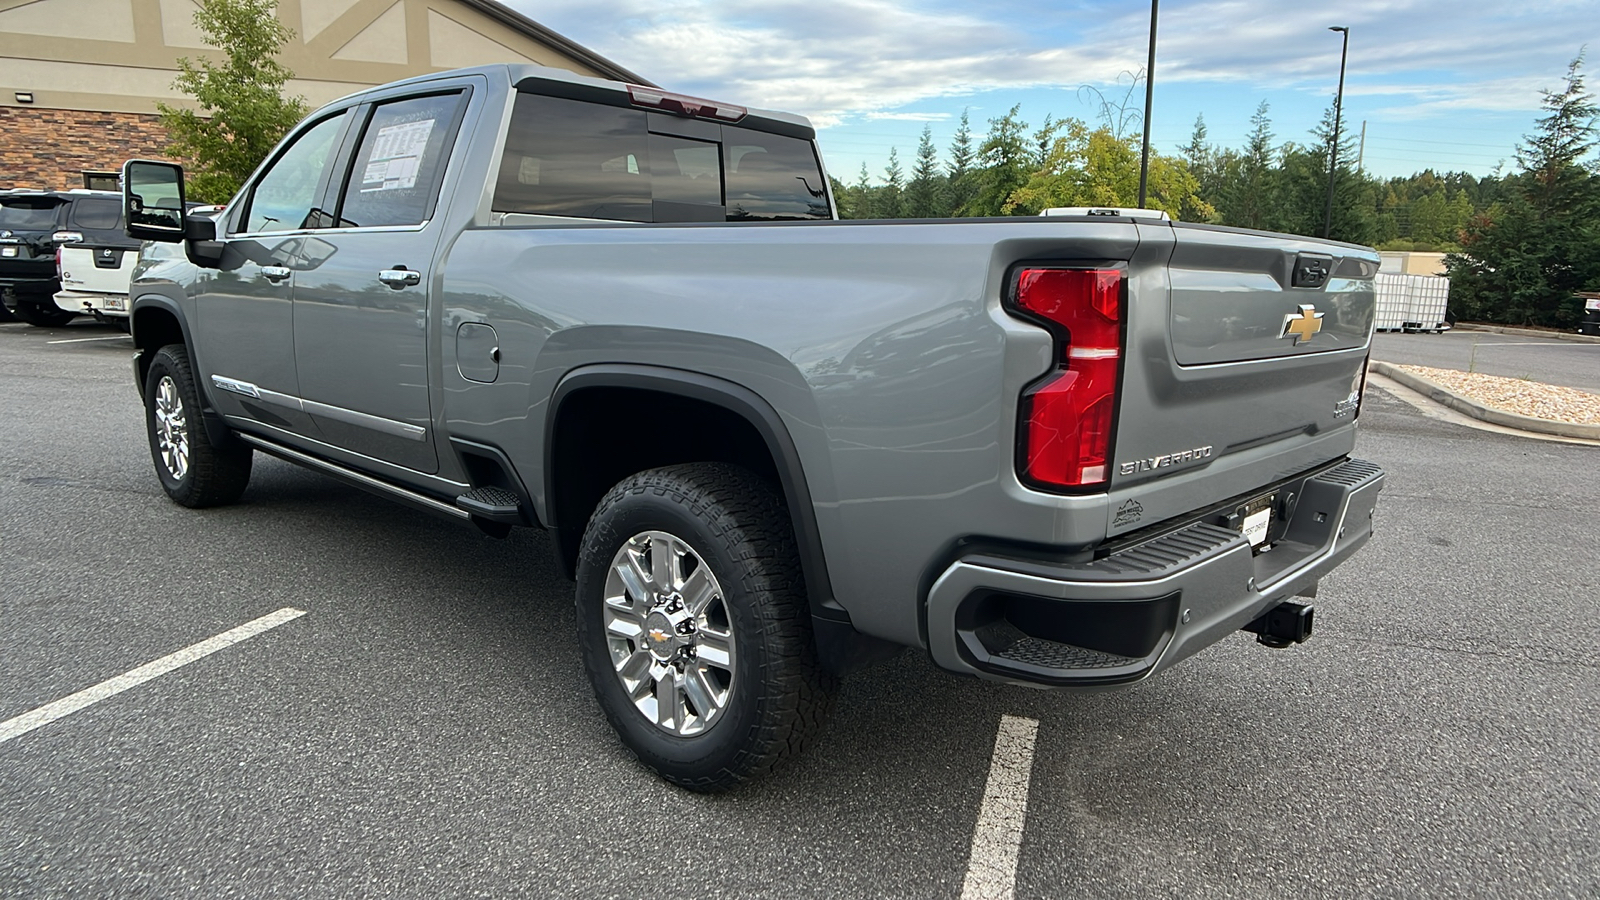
[1162, 462]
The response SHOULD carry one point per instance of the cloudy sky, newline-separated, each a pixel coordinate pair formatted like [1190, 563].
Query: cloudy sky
[1446, 84]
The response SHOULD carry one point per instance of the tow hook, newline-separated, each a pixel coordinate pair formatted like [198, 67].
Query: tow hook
[1282, 625]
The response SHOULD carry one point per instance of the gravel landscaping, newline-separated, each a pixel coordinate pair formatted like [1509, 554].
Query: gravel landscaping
[1517, 395]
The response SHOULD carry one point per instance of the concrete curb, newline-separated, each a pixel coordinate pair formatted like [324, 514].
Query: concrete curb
[1440, 394]
[1529, 332]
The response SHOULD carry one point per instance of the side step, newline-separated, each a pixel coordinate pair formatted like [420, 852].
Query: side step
[492, 503]
[359, 479]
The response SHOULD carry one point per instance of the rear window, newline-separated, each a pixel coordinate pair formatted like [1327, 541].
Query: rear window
[571, 158]
[29, 214]
[98, 214]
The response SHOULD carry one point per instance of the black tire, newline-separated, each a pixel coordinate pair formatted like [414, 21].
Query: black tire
[777, 697]
[43, 314]
[208, 475]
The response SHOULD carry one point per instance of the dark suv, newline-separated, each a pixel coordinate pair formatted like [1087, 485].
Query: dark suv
[32, 225]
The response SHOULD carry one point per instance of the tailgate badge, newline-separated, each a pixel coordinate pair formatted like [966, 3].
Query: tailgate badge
[1302, 325]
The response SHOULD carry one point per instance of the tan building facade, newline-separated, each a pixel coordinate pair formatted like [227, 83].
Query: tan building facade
[80, 79]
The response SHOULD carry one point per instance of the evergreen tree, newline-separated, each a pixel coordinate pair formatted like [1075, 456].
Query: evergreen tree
[865, 205]
[1005, 156]
[925, 194]
[961, 179]
[1524, 260]
[892, 194]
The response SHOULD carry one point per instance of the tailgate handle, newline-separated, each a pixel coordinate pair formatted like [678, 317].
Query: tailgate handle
[1311, 270]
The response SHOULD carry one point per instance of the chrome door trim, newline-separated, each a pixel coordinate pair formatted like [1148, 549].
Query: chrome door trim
[311, 407]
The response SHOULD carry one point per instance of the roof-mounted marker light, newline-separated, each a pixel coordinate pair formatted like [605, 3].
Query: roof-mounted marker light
[684, 105]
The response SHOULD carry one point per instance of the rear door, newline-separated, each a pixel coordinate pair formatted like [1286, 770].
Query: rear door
[1245, 355]
[361, 311]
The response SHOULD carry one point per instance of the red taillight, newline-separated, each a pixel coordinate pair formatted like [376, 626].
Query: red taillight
[1067, 417]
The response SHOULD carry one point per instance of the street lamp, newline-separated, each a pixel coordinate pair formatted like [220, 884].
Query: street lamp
[1149, 96]
[1333, 151]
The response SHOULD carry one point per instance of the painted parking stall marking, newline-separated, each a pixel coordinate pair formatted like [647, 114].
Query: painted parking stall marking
[992, 867]
[66, 706]
[114, 337]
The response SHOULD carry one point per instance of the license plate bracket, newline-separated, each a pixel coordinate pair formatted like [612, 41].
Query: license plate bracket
[1255, 520]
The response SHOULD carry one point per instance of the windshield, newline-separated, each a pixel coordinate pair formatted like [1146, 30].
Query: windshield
[32, 214]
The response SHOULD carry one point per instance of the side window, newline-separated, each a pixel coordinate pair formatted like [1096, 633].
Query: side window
[401, 161]
[96, 214]
[570, 158]
[772, 177]
[286, 196]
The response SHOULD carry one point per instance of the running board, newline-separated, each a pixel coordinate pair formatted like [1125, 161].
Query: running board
[361, 480]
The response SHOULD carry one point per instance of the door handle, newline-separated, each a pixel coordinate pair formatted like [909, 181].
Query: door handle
[399, 278]
[275, 274]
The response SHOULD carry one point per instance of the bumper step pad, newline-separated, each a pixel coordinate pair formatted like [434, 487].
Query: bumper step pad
[492, 503]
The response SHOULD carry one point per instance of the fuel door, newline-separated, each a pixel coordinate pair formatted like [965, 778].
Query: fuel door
[478, 352]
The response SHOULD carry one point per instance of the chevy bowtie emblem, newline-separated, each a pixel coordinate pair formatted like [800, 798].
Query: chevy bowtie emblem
[1303, 325]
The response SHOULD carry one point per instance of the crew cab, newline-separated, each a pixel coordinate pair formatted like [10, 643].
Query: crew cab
[769, 446]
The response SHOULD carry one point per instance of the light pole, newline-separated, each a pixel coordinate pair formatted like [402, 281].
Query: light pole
[1149, 97]
[1333, 151]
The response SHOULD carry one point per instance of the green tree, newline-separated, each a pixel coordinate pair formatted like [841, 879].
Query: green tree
[925, 193]
[1523, 261]
[961, 179]
[1006, 160]
[892, 194]
[243, 112]
[1247, 193]
[1096, 168]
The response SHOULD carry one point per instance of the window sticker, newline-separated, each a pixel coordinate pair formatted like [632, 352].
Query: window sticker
[396, 157]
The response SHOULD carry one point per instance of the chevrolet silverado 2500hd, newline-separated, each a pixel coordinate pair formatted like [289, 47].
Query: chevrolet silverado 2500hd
[768, 445]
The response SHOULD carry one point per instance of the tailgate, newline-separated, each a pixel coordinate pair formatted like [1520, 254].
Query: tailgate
[1244, 363]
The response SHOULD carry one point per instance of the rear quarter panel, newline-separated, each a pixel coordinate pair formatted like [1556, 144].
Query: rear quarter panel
[882, 347]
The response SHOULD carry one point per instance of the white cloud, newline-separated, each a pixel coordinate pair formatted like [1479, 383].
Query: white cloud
[909, 116]
[838, 59]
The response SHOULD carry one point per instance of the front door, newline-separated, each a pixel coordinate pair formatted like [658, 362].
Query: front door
[243, 319]
[361, 309]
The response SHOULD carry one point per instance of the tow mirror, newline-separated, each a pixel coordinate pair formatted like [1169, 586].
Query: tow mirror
[152, 200]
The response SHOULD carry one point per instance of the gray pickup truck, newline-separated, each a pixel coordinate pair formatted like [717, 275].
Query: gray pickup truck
[769, 446]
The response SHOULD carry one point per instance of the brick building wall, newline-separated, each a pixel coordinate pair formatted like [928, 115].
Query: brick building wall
[50, 148]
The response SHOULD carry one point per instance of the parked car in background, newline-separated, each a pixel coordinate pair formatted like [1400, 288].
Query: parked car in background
[32, 226]
[1591, 318]
[94, 263]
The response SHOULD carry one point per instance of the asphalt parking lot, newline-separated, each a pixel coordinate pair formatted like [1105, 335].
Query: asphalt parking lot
[425, 728]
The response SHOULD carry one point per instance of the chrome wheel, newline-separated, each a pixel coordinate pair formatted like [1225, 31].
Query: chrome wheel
[172, 428]
[669, 632]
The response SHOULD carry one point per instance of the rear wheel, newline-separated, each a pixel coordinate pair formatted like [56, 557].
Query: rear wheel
[694, 626]
[44, 314]
[192, 470]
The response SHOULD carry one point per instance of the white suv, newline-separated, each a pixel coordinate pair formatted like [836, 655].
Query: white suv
[94, 260]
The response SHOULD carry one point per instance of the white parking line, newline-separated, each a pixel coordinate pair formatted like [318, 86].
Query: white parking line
[66, 706]
[992, 867]
[114, 337]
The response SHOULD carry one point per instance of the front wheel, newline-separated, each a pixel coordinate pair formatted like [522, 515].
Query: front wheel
[694, 626]
[193, 471]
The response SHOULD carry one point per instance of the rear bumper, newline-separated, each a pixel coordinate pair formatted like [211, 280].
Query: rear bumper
[93, 303]
[1124, 617]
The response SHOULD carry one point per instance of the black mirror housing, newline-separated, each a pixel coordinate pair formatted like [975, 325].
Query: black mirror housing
[153, 201]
